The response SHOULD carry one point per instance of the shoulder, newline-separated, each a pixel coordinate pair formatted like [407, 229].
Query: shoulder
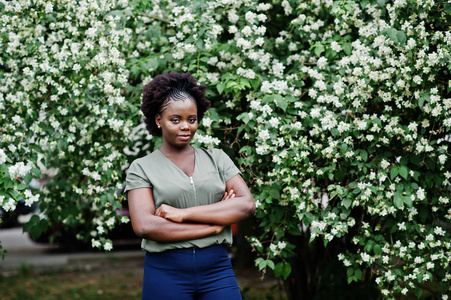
[211, 152]
[145, 160]
[218, 156]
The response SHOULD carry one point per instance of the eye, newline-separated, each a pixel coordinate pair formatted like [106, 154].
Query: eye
[175, 120]
[192, 120]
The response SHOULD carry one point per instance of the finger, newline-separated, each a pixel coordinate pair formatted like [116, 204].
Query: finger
[231, 194]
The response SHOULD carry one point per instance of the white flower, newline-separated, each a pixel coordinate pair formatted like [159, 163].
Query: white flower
[274, 122]
[281, 245]
[322, 62]
[100, 229]
[213, 60]
[335, 46]
[402, 226]
[384, 164]
[95, 243]
[208, 140]
[110, 222]
[207, 121]
[365, 257]
[3, 157]
[250, 17]
[48, 8]
[19, 170]
[8, 205]
[264, 134]
[274, 250]
[421, 194]
[439, 231]
[31, 199]
[418, 260]
[417, 79]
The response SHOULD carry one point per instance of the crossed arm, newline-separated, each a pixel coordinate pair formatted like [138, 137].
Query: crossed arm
[170, 224]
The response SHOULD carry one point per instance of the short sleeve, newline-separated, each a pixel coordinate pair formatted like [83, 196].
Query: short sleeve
[136, 178]
[228, 168]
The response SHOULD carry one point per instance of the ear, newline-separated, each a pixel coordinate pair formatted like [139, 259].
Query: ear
[158, 120]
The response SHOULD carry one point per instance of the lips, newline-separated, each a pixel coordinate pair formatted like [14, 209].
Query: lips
[184, 137]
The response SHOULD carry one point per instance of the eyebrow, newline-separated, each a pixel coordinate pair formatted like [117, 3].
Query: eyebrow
[175, 115]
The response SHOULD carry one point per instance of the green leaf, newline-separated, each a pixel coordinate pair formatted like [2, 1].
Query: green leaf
[398, 200]
[423, 97]
[408, 201]
[358, 274]
[418, 292]
[391, 34]
[364, 155]
[261, 263]
[319, 48]
[447, 7]
[352, 185]
[381, 2]
[369, 246]
[244, 82]
[282, 269]
[255, 84]
[401, 37]
[286, 270]
[347, 203]
[32, 222]
[274, 193]
[347, 48]
[403, 172]
[377, 249]
[154, 64]
[21, 187]
[394, 171]
[281, 102]
[14, 194]
[270, 264]
[278, 270]
[243, 117]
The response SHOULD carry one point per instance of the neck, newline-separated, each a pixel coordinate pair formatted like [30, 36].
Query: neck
[169, 150]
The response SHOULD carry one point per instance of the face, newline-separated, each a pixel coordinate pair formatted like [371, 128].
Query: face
[178, 122]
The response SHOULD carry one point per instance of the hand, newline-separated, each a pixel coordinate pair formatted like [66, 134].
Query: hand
[218, 228]
[170, 213]
[228, 195]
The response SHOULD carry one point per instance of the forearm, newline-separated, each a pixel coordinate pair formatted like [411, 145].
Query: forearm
[162, 230]
[222, 213]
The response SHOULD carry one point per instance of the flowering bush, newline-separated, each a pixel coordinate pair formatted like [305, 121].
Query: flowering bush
[61, 79]
[339, 112]
[343, 128]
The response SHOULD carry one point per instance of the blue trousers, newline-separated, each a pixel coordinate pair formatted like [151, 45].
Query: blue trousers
[193, 273]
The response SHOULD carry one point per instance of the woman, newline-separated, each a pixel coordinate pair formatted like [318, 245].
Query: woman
[183, 199]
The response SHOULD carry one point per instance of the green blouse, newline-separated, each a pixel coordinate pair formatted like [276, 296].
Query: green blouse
[170, 185]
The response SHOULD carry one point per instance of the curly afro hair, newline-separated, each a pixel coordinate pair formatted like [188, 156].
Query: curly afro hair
[169, 87]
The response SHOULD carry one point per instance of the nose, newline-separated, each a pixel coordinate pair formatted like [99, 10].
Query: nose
[184, 125]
